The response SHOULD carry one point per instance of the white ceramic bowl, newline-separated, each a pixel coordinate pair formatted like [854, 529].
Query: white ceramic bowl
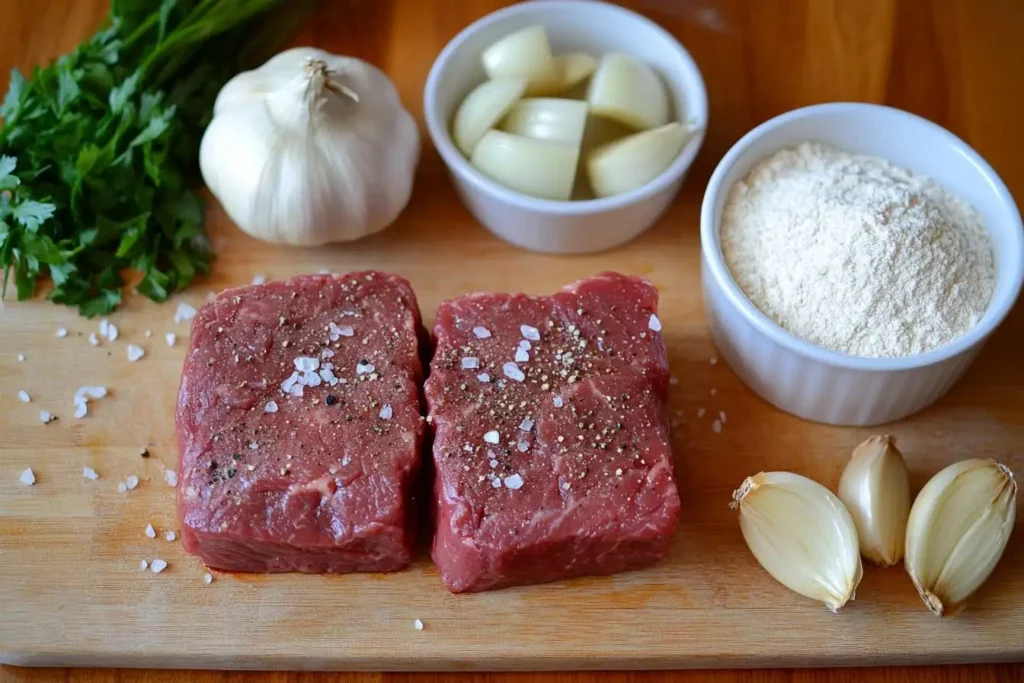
[825, 386]
[569, 227]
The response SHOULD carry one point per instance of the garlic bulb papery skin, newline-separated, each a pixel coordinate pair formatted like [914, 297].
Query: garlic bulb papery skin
[959, 526]
[310, 148]
[875, 488]
[801, 534]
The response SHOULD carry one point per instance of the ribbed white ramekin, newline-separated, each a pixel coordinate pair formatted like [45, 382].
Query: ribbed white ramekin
[835, 388]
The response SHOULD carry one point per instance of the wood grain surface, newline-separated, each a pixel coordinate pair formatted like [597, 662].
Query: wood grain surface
[69, 587]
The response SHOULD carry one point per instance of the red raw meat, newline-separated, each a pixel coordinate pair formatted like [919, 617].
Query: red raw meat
[565, 469]
[324, 483]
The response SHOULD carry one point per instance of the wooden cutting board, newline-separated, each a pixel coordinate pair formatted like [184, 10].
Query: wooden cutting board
[70, 585]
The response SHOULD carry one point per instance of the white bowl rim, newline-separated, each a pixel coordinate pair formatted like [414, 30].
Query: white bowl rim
[438, 130]
[712, 252]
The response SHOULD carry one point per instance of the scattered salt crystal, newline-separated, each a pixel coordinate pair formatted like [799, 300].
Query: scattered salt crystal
[484, 377]
[523, 444]
[81, 409]
[93, 339]
[271, 407]
[21, 358]
[337, 332]
[62, 332]
[565, 485]
[28, 477]
[654, 323]
[470, 363]
[90, 474]
[721, 416]
[148, 333]
[327, 353]
[364, 368]
[158, 566]
[492, 437]
[714, 360]
[327, 375]
[170, 537]
[513, 372]
[386, 412]
[91, 392]
[525, 345]
[143, 565]
[112, 332]
[259, 279]
[493, 463]
[714, 391]
[23, 396]
[121, 488]
[417, 624]
[700, 412]
[481, 332]
[558, 401]
[171, 477]
[496, 483]
[150, 531]
[529, 332]
[526, 425]
[131, 482]
[716, 426]
[306, 363]
[521, 355]
[135, 352]
[514, 482]
[171, 338]
[673, 380]
[184, 312]
[207, 578]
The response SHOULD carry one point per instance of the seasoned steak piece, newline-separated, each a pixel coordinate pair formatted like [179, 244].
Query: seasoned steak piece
[551, 444]
[299, 426]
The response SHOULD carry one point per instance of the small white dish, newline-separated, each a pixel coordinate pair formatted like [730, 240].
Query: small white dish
[565, 227]
[826, 386]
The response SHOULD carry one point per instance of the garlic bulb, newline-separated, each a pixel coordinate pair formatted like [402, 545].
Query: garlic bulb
[310, 148]
[801, 534]
[876, 490]
[958, 528]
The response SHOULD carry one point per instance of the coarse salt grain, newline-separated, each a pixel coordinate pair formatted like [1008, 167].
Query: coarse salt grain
[81, 410]
[484, 377]
[112, 332]
[259, 279]
[143, 565]
[496, 483]
[131, 482]
[23, 396]
[306, 363]
[530, 332]
[135, 352]
[470, 363]
[654, 323]
[93, 339]
[514, 482]
[170, 537]
[148, 333]
[716, 426]
[207, 578]
[523, 444]
[364, 368]
[157, 566]
[558, 401]
[493, 463]
[721, 416]
[492, 437]
[121, 488]
[21, 358]
[386, 412]
[28, 477]
[700, 412]
[184, 312]
[171, 338]
[714, 360]
[171, 477]
[62, 332]
[525, 345]
[90, 474]
[150, 531]
[714, 391]
[481, 332]
[522, 355]
[417, 624]
[271, 407]
[526, 425]
[513, 372]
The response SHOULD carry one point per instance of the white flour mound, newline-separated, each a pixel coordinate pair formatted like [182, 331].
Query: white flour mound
[857, 255]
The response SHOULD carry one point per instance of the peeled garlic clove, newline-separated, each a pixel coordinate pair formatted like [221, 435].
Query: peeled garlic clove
[574, 68]
[801, 534]
[534, 167]
[483, 108]
[958, 528]
[548, 118]
[633, 161]
[876, 490]
[525, 53]
[629, 91]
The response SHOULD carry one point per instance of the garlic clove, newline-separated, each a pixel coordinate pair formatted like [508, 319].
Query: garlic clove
[627, 90]
[801, 534]
[875, 488]
[525, 53]
[534, 167]
[482, 109]
[574, 68]
[626, 164]
[958, 528]
[547, 118]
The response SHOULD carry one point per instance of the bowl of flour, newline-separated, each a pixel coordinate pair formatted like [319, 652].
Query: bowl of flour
[855, 258]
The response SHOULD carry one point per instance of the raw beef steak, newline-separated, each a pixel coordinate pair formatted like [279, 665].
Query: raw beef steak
[551, 444]
[299, 426]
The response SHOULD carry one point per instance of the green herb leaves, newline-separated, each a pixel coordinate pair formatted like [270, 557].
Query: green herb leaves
[98, 152]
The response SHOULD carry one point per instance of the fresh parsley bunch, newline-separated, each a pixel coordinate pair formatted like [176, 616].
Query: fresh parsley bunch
[98, 151]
